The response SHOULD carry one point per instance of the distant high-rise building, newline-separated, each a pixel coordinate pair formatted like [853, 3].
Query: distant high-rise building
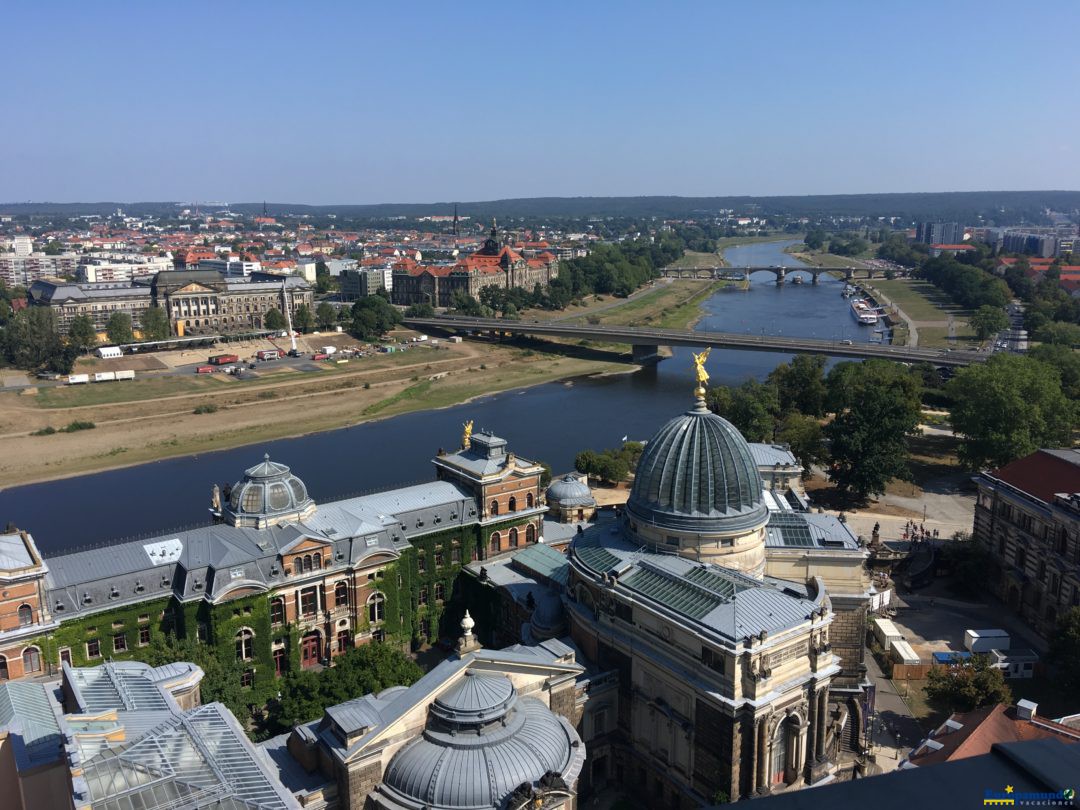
[940, 233]
[23, 245]
[1034, 244]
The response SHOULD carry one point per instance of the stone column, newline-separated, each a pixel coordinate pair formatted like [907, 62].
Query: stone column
[822, 719]
[763, 755]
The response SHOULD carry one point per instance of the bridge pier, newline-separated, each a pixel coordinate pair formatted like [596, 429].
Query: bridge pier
[644, 354]
[780, 273]
[849, 274]
[814, 277]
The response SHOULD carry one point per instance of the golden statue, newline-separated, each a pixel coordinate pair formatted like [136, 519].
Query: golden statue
[700, 372]
[466, 437]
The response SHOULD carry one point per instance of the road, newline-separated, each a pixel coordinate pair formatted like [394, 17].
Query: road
[646, 337]
[895, 732]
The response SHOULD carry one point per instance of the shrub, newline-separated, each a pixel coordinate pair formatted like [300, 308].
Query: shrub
[77, 426]
[209, 407]
[48, 430]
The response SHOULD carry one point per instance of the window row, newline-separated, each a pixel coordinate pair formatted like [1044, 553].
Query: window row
[512, 504]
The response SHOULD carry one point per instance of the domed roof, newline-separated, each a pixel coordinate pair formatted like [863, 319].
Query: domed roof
[570, 491]
[267, 493]
[697, 474]
[471, 763]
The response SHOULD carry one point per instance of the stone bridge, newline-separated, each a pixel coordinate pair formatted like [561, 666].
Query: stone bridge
[781, 273]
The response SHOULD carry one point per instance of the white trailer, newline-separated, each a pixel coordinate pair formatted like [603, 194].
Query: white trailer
[983, 641]
[329, 349]
[78, 379]
[105, 376]
[125, 375]
[902, 653]
[886, 632]
[107, 352]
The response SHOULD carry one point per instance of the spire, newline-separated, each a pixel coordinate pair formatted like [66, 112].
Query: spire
[455, 220]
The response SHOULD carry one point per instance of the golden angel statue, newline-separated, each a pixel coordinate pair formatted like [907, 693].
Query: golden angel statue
[700, 372]
[466, 437]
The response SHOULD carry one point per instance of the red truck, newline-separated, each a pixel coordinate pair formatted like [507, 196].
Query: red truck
[319, 356]
[204, 370]
[223, 359]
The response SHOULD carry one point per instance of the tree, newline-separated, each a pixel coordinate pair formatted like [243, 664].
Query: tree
[880, 409]
[1059, 333]
[752, 408]
[325, 315]
[30, 338]
[1009, 407]
[155, 324]
[1067, 363]
[373, 317]
[968, 685]
[800, 384]
[118, 328]
[1065, 649]
[303, 319]
[424, 310]
[274, 320]
[82, 334]
[815, 239]
[988, 320]
[804, 435]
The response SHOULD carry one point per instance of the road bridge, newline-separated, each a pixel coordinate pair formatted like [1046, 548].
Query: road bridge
[645, 341]
[781, 273]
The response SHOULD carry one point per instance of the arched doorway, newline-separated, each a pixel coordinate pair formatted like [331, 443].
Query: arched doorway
[778, 756]
[310, 649]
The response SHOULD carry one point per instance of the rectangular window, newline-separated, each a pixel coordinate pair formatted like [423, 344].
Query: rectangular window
[119, 643]
[438, 559]
[423, 596]
[455, 555]
[93, 648]
[144, 636]
[247, 679]
[421, 564]
[308, 602]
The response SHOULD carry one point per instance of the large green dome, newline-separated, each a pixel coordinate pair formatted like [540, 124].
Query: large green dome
[697, 474]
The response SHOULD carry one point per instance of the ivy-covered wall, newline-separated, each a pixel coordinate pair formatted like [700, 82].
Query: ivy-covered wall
[73, 634]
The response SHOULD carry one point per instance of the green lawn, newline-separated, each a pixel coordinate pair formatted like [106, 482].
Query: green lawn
[937, 337]
[692, 260]
[920, 300]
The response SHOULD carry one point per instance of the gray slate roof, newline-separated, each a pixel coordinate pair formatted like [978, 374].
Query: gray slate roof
[13, 552]
[28, 716]
[707, 597]
[808, 530]
[772, 455]
[207, 561]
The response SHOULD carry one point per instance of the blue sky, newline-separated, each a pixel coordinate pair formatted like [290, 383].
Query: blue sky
[363, 102]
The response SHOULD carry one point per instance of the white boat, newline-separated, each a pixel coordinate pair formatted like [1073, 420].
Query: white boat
[863, 312]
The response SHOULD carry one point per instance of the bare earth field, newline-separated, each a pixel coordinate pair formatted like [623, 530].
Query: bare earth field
[154, 417]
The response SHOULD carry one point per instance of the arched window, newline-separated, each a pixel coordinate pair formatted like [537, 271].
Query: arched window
[513, 504]
[277, 611]
[514, 538]
[494, 507]
[3, 669]
[375, 607]
[245, 645]
[297, 566]
[530, 534]
[31, 660]
[778, 760]
[496, 543]
[316, 561]
[307, 562]
[341, 594]
[279, 662]
[529, 501]
[26, 615]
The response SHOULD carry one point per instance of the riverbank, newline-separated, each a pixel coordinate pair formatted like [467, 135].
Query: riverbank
[171, 416]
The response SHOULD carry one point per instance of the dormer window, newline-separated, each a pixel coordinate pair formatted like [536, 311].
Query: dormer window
[114, 592]
[139, 587]
[87, 598]
[164, 582]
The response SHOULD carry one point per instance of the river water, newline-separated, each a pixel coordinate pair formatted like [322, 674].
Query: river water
[551, 422]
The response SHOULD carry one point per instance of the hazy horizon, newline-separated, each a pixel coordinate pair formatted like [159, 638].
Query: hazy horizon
[356, 105]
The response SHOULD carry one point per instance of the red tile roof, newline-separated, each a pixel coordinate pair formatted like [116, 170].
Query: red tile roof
[984, 727]
[1043, 473]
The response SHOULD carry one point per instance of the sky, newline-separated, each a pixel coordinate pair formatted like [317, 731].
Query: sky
[369, 102]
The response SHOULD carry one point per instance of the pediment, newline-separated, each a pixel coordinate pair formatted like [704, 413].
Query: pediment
[194, 288]
[301, 544]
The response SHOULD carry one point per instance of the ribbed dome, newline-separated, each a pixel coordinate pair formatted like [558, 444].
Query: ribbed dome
[476, 699]
[569, 491]
[268, 492]
[697, 474]
[448, 767]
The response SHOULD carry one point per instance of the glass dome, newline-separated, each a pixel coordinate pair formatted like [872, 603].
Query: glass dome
[267, 494]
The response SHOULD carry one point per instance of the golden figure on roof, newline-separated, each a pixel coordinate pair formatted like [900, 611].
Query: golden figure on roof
[700, 372]
[466, 437]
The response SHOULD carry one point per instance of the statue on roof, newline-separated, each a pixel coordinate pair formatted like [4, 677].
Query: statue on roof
[699, 371]
[215, 499]
[466, 436]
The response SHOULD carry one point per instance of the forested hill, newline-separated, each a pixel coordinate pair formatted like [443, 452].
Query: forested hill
[964, 206]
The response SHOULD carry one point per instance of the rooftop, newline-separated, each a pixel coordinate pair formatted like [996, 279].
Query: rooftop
[1043, 474]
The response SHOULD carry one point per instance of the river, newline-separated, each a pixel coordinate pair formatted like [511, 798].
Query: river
[550, 422]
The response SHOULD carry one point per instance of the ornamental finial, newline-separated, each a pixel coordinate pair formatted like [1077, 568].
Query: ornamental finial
[466, 436]
[700, 373]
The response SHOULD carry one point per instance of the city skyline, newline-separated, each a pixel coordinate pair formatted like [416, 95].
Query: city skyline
[369, 106]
